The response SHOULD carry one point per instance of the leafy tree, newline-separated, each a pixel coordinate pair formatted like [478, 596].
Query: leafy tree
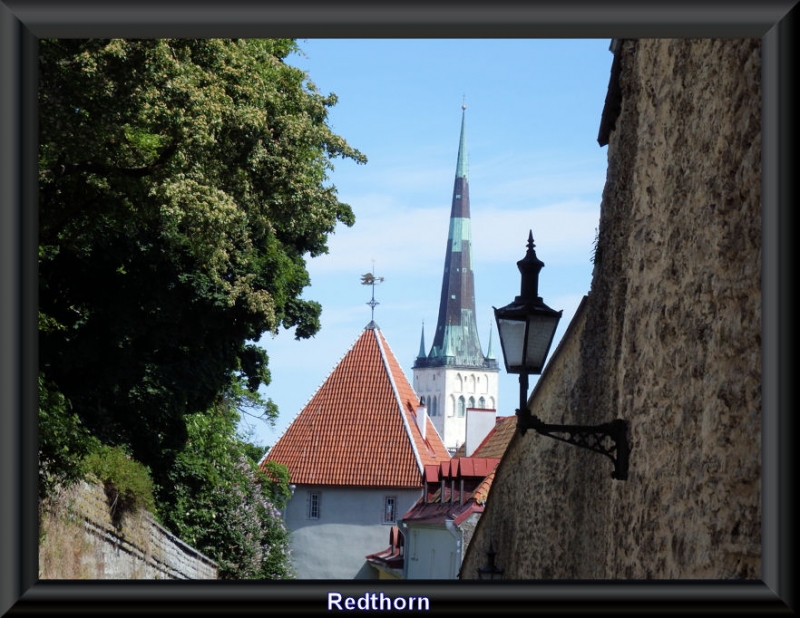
[64, 442]
[224, 505]
[183, 183]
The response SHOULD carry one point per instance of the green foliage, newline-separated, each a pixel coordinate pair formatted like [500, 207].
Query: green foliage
[182, 185]
[220, 503]
[127, 482]
[278, 475]
[63, 441]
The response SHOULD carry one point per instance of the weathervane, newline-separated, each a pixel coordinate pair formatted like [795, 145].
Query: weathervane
[371, 279]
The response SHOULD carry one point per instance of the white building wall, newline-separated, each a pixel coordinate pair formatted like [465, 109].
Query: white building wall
[350, 526]
[432, 552]
[446, 386]
[480, 423]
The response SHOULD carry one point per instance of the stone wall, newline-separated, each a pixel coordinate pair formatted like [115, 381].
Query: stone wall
[82, 541]
[671, 342]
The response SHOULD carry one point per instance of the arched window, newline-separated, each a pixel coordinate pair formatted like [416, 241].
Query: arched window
[471, 403]
[482, 402]
[461, 407]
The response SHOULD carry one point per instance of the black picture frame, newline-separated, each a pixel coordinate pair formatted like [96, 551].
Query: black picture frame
[23, 22]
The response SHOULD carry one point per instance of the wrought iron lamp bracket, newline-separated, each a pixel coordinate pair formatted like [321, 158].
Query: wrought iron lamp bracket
[592, 437]
[491, 569]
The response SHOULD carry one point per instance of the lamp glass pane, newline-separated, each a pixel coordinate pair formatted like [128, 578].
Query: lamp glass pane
[512, 337]
[540, 335]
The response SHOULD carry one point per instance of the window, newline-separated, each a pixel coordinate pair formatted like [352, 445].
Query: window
[461, 406]
[389, 509]
[313, 506]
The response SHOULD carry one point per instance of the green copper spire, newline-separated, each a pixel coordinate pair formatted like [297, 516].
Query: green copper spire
[461, 166]
[448, 343]
[422, 353]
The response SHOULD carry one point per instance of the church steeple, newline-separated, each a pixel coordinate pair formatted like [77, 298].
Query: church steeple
[456, 340]
[455, 376]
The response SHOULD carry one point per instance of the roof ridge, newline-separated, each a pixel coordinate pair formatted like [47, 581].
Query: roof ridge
[397, 397]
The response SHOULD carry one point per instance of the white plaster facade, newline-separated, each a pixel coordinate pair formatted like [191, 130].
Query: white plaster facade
[349, 525]
[448, 392]
[435, 551]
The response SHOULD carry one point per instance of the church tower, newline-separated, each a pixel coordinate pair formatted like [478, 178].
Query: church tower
[455, 375]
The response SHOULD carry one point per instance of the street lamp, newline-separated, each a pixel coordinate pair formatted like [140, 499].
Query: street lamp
[527, 327]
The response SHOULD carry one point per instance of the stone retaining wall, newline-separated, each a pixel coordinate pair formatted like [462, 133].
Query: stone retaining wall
[136, 547]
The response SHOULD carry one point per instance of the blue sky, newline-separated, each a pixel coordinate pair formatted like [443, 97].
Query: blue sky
[533, 110]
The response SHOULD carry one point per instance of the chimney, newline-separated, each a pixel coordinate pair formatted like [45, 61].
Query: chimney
[422, 418]
[480, 422]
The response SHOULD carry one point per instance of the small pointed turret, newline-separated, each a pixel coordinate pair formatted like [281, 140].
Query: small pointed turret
[422, 342]
[490, 352]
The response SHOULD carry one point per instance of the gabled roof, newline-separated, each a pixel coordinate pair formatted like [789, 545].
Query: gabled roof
[360, 427]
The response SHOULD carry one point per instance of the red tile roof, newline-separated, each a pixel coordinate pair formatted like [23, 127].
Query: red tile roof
[482, 492]
[496, 442]
[443, 503]
[392, 556]
[463, 492]
[359, 428]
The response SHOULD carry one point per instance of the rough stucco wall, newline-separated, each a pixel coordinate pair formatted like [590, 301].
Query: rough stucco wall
[526, 504]
[672, 343]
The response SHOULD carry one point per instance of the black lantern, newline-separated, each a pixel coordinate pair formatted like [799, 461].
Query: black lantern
[527, 327]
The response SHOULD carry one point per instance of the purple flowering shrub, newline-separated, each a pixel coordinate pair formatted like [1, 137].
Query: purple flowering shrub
[227, 508]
